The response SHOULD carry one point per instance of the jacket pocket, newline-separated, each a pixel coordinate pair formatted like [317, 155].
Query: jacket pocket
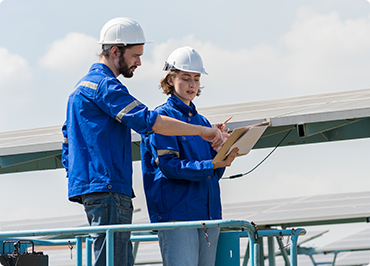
[172, 193]
[187, 147]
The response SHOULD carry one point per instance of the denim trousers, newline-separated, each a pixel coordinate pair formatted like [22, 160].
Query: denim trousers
[108, 209]
[188, 247]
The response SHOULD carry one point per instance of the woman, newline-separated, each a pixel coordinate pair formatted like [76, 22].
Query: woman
[180, 180]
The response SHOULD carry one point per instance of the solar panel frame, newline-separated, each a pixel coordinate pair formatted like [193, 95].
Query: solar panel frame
[282, 112]
[297, 212]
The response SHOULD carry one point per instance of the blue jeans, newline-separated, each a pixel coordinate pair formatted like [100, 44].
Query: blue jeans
[107, 209]
[188, 247]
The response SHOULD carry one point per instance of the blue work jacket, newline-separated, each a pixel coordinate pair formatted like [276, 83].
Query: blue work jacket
[97, 134]
[179, 180]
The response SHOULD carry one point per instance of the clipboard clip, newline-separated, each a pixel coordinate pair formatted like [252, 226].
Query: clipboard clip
[268, 121]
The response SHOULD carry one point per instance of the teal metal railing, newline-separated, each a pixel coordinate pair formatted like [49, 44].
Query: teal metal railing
[228, 252]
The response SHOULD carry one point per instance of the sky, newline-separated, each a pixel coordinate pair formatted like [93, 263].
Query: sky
[252, 50]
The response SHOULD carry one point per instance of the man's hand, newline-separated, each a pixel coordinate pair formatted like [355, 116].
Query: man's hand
[225, 134]
[213, 135]
[228, 160]
[222, 127]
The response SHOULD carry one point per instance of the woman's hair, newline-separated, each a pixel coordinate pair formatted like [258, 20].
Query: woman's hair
[169, 89]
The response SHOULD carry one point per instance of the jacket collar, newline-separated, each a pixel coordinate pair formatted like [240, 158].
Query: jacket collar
[180, 105]
[102, 67]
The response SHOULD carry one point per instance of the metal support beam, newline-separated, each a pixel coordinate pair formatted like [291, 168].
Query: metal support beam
[134, 252]
[335, 258]
[246, 256]
[261, 252]
[12, 160]
[308, 130]
[271, 250]
[283, 251]
[30, 162]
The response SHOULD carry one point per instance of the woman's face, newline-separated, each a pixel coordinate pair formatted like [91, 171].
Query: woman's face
[186, 85]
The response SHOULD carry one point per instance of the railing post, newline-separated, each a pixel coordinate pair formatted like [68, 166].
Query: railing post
[256, 257]
[254, 247]
[109, 241]
[89, 242]
[79, 250]
[293, 247]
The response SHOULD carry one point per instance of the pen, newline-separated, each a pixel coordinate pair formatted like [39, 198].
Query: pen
[228, 119]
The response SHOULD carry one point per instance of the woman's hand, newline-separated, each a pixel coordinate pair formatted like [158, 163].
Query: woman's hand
[228, 160]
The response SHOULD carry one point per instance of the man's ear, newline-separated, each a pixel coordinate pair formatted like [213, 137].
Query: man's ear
[114, 52]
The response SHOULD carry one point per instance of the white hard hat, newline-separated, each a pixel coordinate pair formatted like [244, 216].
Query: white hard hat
[185, 59]
[121, 31]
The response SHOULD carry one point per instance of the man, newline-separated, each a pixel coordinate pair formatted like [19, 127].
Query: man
[97, 147]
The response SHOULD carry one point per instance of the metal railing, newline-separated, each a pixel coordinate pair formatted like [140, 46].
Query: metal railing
[235, 230]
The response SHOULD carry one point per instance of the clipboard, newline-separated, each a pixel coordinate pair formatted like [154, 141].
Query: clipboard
[243, 138]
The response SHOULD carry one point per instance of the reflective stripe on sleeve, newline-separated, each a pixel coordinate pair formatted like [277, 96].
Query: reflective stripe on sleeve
[127, 109]
[88, 84]
[164, 152]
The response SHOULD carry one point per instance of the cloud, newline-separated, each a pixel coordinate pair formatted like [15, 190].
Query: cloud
[12, 68]
[327, 53]
[76, 50]
[321, 53]
[15, 83]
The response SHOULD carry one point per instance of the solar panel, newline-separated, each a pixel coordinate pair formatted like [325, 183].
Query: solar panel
[332, 208]
[357, 241]
[353, 258]
[358, 258]
[304, 260]
[312, 108]
[61, 222]
[303, 211]
[148, 252]
[31, 140]
[321, 118]
[44, 223]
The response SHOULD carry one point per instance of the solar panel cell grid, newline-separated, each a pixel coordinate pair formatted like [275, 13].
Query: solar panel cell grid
[317, 209]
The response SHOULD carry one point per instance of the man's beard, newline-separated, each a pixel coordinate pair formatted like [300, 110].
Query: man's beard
[124, 69]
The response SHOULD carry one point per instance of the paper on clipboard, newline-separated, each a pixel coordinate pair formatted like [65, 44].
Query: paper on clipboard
[243, 138]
